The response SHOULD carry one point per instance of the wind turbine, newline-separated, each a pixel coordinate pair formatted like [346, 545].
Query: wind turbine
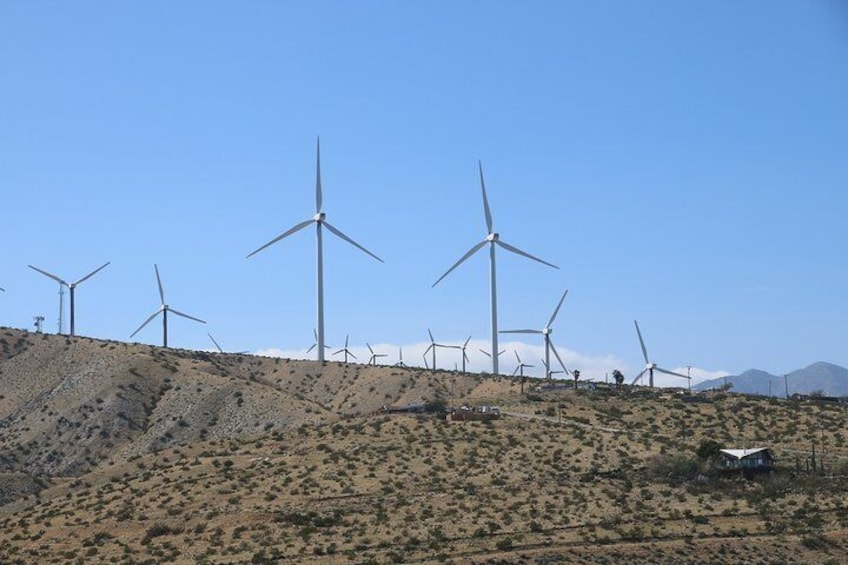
[493, 239]
[164, 309]
[649, 366]
[320, 221]
[489, 355]
[346, 351]
[315, 344]
[71, 286]
[521, 366]
[546, 332]
[434, 345]
[374, 356]
[400, 362]
[464, 354]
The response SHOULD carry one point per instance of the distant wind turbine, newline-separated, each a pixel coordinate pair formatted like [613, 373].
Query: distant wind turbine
[71, 286]
[433, 345]
[400, 362]
[493, 239]
[649, 366]
[464, 354]
[546, 332]
[345, 350]
[315, 344]
[521, 366]
[374, 356]
[164, 309]
[320, 221]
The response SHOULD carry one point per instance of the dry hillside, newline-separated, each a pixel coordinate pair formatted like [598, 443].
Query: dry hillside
[122, 453]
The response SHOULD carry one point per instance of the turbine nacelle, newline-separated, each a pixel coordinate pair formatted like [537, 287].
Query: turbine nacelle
[547, 331]
[650, 366]
[493, 237]
[319, 217]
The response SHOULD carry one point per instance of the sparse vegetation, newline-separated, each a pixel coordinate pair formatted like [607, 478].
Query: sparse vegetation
[148, 455]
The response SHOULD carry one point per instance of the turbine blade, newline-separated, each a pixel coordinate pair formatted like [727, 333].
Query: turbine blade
[517, 357]
[470, 252]
[672, 373]
[318, 192]
[215, 342]
[485, 199]
[351, 354]
[339, 351]
[349, 240]
[426, 351]
[556, 311]
[159, 282]
[369, 348]
[283, 235]
[91, 274]
[314, 345]
[346, 340]
[485, 353]
[431, 336]
[639, 376]
[466, 342]
[516, 370]
[642, 343]
[315, 333]
[147, 321]
[185, 315]
[517, 251]
[519, 331]
[426, 364]
[556, 354]
[46, 274]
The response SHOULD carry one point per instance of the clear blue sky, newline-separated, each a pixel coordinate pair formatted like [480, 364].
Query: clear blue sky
[684, 163]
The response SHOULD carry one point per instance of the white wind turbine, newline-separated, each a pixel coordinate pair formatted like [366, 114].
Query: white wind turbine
[546, 332]
[400, 362]
[320, 221]
[493, 239]
[464, 354]
[315, 344]
[649, 366]
[433, 346]
[71, 286]
[347, 352]
[521, 366]
[164, 309]
[374, 356]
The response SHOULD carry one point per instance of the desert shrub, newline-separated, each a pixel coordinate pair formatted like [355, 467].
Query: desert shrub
[673, 467]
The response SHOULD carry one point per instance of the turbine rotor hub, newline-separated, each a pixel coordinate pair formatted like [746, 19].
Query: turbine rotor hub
[319, 217]
[493, 237]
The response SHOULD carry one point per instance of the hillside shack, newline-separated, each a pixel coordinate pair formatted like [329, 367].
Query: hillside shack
[746, 461]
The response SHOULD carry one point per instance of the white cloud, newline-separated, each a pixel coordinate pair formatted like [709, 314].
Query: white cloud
[591, 367]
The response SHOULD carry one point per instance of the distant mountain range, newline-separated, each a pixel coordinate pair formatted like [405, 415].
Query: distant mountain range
[826, 378]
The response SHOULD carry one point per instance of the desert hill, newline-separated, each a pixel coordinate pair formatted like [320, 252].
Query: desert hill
[126, 453]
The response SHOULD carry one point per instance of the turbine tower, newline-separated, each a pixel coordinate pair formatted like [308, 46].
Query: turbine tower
[649, 366]
[164, 309]
[546, 332]
[71, 286]
[493, 239]
[320, 222]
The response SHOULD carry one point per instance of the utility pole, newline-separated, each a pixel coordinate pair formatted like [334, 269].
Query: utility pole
[786, 385]
[689, 376]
